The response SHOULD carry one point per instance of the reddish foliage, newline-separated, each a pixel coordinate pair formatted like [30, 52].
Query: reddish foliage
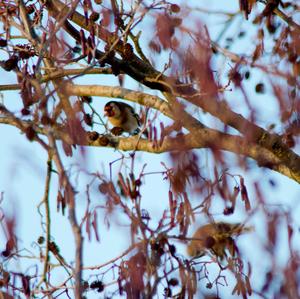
[201, 79]
[244, 194]
[132, 273]
[246, 6]
[165, 30]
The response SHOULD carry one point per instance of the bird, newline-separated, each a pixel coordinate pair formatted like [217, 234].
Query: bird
[123, 117]
[216, 238]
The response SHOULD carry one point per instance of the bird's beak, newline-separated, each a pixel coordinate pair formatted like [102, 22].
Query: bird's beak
[106, 111]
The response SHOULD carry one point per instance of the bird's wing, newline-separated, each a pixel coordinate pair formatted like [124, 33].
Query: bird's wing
[132, 111]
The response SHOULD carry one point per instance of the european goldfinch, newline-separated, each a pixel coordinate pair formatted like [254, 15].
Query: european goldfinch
[123, 117]
[216, 238]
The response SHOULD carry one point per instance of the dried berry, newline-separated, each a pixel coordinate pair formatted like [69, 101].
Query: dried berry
[103, 187]
[173, 282]
[172, 249]
[175, 8]
[3, 42]
[5, 253]
[214, 50]
[30, 9]
[94, 16]
[25, 51]
[88, 119]
[247, 75]
[45, 120]
[228, 211]
[11, 10]
[119, 22]
[10, 63]
[235, 76]
[138, 182]
[97, 284]
[103, 141]
[30, 133]
[209, 285]
[25, 111]
[260, 88]
[241, 34]
[41, 240]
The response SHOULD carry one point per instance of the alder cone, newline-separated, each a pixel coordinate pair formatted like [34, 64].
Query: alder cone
[94, 16]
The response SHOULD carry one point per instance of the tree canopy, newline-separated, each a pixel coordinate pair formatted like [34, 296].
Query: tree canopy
[216, 89]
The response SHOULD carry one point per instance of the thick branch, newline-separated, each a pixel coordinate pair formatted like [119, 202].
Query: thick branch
[251, 131]
[155, 102]
[60, 73]
[141, 98]
[205, 138]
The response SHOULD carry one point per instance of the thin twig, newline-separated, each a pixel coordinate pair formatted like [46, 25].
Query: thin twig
[112, 260]
[65, 183]
[48, 219]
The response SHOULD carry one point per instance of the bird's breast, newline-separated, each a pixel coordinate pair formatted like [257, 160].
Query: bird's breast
[128, 123]
[116, 122]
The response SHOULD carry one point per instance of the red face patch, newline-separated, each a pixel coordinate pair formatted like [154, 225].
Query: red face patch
[109, 111]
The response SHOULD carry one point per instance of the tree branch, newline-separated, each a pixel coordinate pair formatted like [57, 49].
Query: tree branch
[60, 73]
[141, 98]
[252, 132]
[202, 138]
[70, 194]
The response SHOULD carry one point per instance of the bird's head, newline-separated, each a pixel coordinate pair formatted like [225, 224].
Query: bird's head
[111, 109]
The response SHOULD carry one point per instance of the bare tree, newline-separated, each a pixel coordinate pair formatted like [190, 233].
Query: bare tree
[197, 104]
